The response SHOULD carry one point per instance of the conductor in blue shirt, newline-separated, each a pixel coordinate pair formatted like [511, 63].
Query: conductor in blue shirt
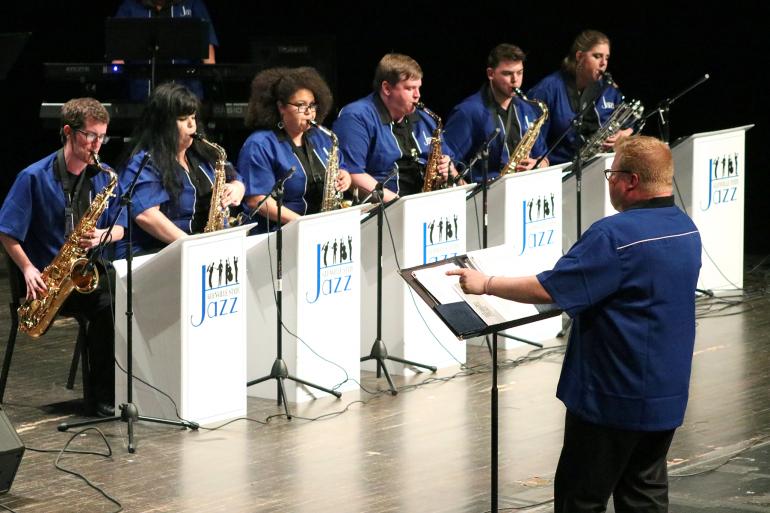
[629, 285]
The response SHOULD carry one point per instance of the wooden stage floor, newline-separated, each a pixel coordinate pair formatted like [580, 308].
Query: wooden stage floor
[424, 450]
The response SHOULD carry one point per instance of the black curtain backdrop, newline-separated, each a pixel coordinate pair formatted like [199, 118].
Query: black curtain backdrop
[656, 52]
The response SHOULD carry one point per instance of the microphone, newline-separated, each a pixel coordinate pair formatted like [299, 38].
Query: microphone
[608, 78]
[279, 184]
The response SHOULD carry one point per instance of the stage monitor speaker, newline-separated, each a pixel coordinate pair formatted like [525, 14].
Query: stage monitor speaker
[11, 451]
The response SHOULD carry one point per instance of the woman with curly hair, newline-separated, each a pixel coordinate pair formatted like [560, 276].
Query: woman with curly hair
[283, 102]
[173, 193]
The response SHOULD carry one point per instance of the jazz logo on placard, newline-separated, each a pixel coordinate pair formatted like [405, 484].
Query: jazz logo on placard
[440, 238]
[538, 214]
[723, 180]
[220, 290]
[333, 268]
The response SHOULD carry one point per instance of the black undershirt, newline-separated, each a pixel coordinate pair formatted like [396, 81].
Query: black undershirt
[578, 102]
[203, 190]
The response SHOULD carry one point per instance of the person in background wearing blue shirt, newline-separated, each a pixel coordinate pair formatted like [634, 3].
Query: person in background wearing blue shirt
[629, 285]
[283, 102]
[139, 90]
[566, 92]
[496, 105]
[384, 138]
[44, 206]
[173, 193]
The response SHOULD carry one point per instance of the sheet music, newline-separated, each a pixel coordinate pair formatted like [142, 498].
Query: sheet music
[438, 284]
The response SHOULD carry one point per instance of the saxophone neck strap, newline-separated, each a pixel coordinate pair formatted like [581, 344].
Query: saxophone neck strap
[74, 187]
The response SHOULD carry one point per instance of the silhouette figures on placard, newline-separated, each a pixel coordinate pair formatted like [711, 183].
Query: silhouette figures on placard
[736, 163]
[546, 208]
[326, 249]
[210, 269]
[220, 267]
[530, 210]
[343, 251]
[440, 229]
[430, 230]
[455, 223]
[235, 265]
[552, 205]
[350, 246]
[334, 252]
[228, 271]
[448, 230]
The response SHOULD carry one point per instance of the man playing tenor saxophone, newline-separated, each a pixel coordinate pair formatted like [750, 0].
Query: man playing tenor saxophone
[496, 105]
[43, 207]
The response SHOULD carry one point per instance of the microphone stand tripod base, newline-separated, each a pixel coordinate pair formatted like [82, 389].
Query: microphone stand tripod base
[379, 353]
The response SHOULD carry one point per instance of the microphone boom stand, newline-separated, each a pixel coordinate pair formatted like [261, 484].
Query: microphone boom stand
[279, 372]
[379, 351]
[129, 413]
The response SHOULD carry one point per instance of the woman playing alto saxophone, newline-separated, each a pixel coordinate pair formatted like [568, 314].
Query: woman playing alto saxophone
[282, 105]
[173, 193]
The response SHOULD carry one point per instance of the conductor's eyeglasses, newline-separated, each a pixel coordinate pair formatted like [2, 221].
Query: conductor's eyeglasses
[91, 137]
[304, 108]
[608, 172]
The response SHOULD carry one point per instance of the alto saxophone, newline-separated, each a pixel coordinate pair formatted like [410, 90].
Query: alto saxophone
[218, 215]
[526, 143]
[332, 198]
[433, 179]
[624, 113]
[69, 270]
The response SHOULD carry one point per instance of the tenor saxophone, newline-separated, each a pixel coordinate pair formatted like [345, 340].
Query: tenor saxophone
[218, 215]
[69, 270]
[433, 179]
[526, 143]
[332, 198]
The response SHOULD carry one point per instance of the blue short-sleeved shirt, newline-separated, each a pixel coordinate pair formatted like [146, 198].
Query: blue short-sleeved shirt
[367, 142]
[33, 211]
[140, 89]
[151, 192]
[629, 284]
[554, 92]
[472, 121]
[267, 156]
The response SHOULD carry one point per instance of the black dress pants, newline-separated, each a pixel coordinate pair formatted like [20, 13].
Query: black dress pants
[597, 462]
[96, 309]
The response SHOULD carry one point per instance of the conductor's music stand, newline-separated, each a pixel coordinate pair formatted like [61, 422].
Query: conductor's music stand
[462, 320]
[155, 38]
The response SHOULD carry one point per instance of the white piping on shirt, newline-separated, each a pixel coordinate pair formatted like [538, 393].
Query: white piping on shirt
[656, 238]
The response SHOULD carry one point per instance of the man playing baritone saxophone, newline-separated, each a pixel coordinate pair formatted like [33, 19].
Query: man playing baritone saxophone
[44, 205]
[383, 132]
[496, 105]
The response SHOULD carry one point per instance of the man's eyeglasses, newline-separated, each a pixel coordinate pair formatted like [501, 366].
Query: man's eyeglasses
[303, 108]
[608, 172]
[91, 137]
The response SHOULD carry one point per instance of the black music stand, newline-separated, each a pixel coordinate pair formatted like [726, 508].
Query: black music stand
[155, 38]
[11, 46]
[465, 324]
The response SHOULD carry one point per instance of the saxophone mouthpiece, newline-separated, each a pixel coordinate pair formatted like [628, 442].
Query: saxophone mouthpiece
[518, 92]
[419, 105]
[197, 136]
[312, 122]
[97, 161]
